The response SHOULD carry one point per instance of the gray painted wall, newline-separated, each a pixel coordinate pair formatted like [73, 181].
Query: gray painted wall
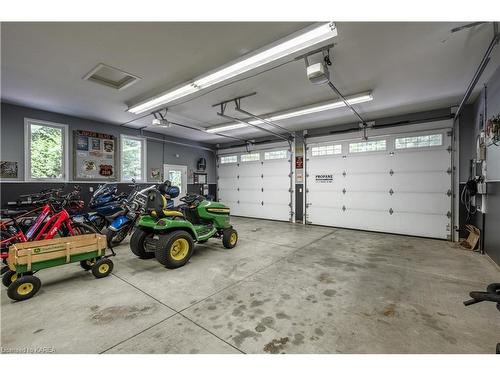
[158, 153]
[470, 127]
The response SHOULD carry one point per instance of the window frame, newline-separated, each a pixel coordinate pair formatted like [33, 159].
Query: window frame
[250, 161]
[228, 162]
[334, 145]
[143, 157]
[280, 158]
[418, 148]
[27, 149]
[386, 147]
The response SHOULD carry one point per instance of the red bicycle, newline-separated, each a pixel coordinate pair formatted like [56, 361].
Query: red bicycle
[49, 220]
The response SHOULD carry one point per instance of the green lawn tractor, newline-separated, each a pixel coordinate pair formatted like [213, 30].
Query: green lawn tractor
[170, 234]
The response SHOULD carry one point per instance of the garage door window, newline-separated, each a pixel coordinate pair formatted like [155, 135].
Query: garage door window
[370, 146]
[250, 157]
[46, 150]
[133, 158]
[273, 155]
[229, 159]
[326, 150]
[420, 141]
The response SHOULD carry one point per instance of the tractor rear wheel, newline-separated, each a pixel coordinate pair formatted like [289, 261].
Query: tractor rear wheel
[174, 249]
[137, 244]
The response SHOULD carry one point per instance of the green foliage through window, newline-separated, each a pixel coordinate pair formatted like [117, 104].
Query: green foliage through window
[46, 153]
[131, 159]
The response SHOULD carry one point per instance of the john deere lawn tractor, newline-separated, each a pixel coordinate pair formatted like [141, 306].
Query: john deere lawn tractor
[170, 234]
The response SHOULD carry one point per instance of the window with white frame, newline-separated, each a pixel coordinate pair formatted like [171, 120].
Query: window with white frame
[326, 150]
[419, 141]
[255, 156]
[46, 150]
[228, 159]
[133, 158]
[273, 155]
[368, 146]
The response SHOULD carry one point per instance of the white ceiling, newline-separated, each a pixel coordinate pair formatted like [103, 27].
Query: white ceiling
[409, 67]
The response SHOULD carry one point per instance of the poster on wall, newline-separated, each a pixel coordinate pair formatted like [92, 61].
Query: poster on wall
[8, 169]
[94, 156]
[155, 174]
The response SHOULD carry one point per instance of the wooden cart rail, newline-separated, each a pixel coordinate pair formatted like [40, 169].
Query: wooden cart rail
[36, 255]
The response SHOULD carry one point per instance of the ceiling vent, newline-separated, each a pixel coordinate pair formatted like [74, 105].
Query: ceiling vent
[112, 77]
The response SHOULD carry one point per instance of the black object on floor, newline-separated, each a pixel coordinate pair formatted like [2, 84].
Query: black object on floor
[492, 294]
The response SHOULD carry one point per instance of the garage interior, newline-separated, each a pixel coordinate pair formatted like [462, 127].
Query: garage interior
[354, 160]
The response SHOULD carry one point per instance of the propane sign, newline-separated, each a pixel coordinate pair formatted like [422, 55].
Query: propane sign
[324, 178]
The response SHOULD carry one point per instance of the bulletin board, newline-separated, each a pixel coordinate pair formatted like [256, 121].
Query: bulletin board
[94, 156]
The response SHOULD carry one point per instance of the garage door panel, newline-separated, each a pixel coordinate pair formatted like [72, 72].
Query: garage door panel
[228, 195]
[254, 182]
[276, 183]
[435, 226]
[420, 202]
[244, 182]
[227, 171]
[366, 200]
[363, 163]
[439, 160]
[250, 169]
[420, 182]
[227, 183]
[404, 191]
[366, 182]
[276, 196]
[248, 209]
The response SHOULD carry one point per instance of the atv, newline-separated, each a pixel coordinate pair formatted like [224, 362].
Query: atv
[169, 234]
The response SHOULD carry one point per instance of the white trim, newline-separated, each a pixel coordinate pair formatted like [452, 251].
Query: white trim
[253, 148]
[27, 145]
[144, 157]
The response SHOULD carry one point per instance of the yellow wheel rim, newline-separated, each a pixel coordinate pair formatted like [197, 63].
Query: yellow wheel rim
[179, 249]
[233, 238]
[103, 268]
[13, 277]
[24, 288]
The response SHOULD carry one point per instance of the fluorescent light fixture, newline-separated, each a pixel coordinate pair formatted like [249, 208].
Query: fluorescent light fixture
[355, 99]
[311, 37]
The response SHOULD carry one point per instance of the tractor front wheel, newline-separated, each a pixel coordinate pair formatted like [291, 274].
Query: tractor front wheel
[229, 238]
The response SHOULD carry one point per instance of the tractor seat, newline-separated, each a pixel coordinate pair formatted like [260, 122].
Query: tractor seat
[157, 206]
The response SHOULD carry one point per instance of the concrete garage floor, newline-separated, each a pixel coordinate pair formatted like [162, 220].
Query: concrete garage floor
[284, 289]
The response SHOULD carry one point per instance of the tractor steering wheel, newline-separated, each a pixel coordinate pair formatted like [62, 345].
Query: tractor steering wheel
[190, 199]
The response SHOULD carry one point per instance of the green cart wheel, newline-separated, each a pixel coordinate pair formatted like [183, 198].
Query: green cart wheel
[10, 276]
[102, 268]
[88, 263]
[24, 288]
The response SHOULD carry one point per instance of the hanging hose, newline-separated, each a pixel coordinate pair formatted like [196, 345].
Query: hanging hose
[468, 192]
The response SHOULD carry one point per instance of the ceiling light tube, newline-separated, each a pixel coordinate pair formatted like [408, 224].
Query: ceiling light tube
[299, 42]
[355, 99]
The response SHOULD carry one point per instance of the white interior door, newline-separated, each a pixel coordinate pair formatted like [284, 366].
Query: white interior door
[402, 187]
[177, 175]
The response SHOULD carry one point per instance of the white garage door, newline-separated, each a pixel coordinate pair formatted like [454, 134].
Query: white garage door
[397, 183]
[257, 183]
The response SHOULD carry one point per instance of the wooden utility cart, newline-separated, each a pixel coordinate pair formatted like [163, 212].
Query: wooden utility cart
[26, 258]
